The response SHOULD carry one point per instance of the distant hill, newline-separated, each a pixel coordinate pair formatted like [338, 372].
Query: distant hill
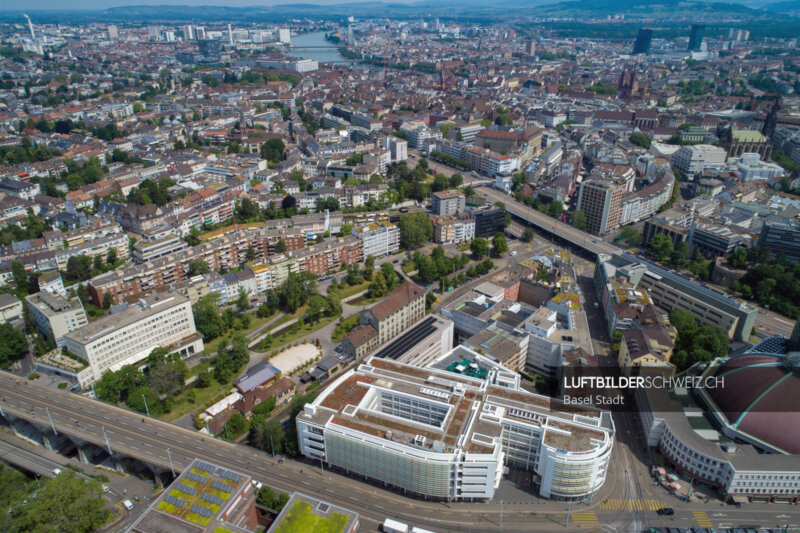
[643, 8]
[790, 6]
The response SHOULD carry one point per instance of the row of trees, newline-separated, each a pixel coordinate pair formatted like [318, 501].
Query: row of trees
[764, 277]
[143, 390]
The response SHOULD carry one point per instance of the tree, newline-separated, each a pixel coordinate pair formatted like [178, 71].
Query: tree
[280, 247]
[415, 229]
[266, 435]
[207, 318]
[378, 287]
[640, 139]
[111, 257]
[144, 399]
[456, 180]
[67, 504]
[235, 426]
[20, 276]
[479, 247]
[266, 496]
[13, 345]
[662, 247]
[528, 235]
[242, 302]
[390, 276]
[250, 254]
[347, 229]
[198, 267]
[631, 235]
[499, 244]
[738, 258]
[78, 268]
[316, 306]
[273, 150]
[579, 219]
[281, 501]
[369, 266]
[97, 263]
[248, 210]
[679, 257]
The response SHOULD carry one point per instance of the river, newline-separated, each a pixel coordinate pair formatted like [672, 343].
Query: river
[329, 53]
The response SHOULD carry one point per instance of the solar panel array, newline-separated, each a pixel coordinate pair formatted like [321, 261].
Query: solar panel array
[213, 499]
[202, 511]
[221, 486]
[227, 474]
[177, 502]
[196, 477]
[186, 489]
[206, 467]
[408, 340]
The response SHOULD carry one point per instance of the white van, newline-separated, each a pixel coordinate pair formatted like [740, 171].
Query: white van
[128, 504]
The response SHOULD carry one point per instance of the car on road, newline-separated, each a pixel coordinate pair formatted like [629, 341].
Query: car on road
[56, 471]
[106, 489]
[666, 511]
[128, 504]
[513, 253]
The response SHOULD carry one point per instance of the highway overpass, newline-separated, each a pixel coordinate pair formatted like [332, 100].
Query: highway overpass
[766, 323]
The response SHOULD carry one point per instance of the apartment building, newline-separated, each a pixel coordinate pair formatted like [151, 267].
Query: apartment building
[398, 148]
[270, 273]
[320, 259]
[713, 240]
[395, 313]
[55, 316]
[128, 337]
[226, 251]
[418, 133]
[378, 239]
[453, 228]
[447, 433]
[646, 202]
[601, 200]
[482, 160]
[10, 308]
[449, 202]
[147, 250]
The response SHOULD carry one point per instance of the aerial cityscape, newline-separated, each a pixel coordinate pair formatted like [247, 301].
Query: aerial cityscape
[417, 267]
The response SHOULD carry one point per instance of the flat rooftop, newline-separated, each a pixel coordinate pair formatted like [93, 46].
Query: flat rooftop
[468, 409]
[199, 500]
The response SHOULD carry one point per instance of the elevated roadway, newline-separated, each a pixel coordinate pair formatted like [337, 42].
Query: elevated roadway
[163, 444]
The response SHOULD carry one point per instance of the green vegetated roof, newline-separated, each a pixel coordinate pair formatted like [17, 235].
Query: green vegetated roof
[300, 519]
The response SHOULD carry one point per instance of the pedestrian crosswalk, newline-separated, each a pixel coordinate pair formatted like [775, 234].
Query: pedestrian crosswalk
[584, 518]
[702, 519]
[640, 504]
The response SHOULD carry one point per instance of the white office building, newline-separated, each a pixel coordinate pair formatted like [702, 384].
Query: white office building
[126, 338]
[379, 238]
[448, 434]
[55, 316]
[691, 160]
[398, 148]
[285, 35]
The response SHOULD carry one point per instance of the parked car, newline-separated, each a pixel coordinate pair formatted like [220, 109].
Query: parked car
[666, 511]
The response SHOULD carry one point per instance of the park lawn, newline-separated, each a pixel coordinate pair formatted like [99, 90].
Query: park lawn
[299, 519]
[350, 290]
[294, 334]
[183, 405]
[345, 327]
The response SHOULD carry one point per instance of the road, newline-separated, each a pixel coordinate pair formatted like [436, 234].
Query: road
[767, 322]
[161, 443]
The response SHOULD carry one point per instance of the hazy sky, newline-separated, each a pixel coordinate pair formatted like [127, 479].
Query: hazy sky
[32, 5]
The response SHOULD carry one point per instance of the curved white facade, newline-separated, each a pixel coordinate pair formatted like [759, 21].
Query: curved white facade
[443, 435]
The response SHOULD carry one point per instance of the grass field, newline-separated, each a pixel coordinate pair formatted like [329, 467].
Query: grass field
[344, 328]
